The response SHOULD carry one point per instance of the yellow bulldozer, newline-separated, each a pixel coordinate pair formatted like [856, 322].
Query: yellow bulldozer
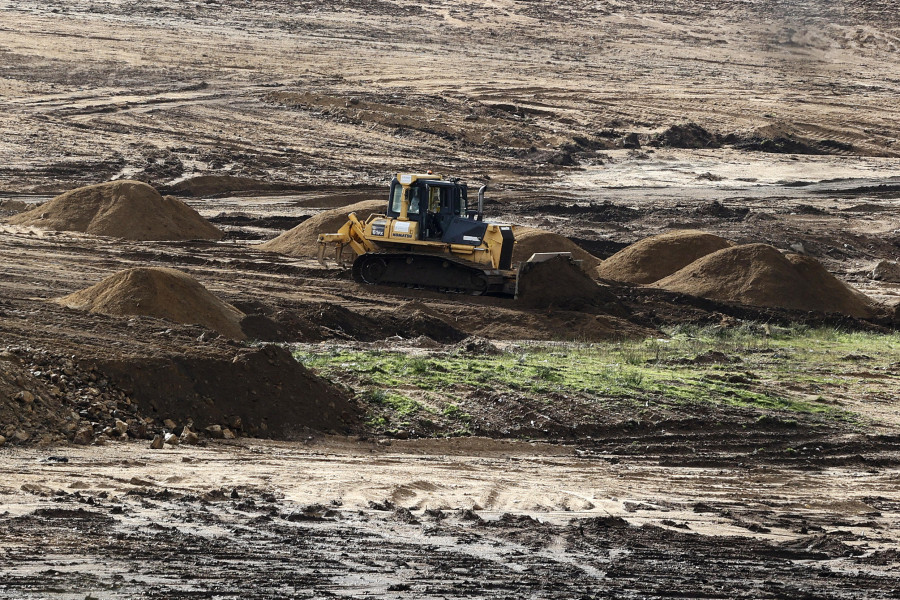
[430, 237]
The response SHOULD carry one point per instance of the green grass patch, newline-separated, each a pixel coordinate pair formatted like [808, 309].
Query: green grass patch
[797, 369]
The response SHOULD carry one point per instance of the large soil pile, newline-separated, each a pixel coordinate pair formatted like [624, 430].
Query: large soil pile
[530, 240]
[760, 275]
[158, 292]
[125, 209]
[302, 240]
[659, 256]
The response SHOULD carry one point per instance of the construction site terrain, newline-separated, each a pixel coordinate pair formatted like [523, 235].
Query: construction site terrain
[661, 439]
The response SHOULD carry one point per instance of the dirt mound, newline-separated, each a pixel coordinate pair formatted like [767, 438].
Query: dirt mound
[125, 209]
[302, 239]
[415, 319]
[263, 392]
[659, 256]
[559, 283]
[158, 292]
[13, 207]
[760, 275]
[212, 185]
[689, 135]
[530, 240]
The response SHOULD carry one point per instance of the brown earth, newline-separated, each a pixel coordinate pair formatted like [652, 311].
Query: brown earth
[605, 123]
[302, 239]
[124, 209]
[760, 275]
[158, 292]
[563, 284]
[530, 240]
[659, 256]
[213, 185]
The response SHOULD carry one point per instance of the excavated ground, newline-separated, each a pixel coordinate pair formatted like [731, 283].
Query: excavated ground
[567, 111]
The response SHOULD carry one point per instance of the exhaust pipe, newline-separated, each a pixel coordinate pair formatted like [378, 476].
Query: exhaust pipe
[481, 202]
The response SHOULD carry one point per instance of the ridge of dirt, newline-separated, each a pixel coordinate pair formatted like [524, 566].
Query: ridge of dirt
[126, 209]
[302, 240]
[760, 275]
[659, 256]
[212, 185]
[260, 391]
[158, 292]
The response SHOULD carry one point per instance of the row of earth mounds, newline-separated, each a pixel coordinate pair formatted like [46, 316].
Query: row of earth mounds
[708, 266]
[653, 258]
[125, 209]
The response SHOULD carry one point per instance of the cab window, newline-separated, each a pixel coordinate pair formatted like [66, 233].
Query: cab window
[397, 196]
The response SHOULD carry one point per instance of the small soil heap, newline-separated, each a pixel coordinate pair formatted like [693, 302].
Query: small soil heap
[126, 209]
[161, 293]
[659, 256]
[303, 239]
[760, 275]
[530, 240]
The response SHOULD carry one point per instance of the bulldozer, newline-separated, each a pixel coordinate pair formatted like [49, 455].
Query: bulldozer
[430, 237]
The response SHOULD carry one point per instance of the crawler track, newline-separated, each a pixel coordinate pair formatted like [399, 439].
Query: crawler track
[428, 271]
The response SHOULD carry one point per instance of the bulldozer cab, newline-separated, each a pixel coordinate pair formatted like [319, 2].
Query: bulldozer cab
[434, 203]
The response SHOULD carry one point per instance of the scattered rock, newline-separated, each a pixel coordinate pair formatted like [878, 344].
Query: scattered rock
[84, 436]
[228, 434]
[887, 270]
[2, 440]
[189, 437]
[121, 427]
[169, 424]
[215, 431]
[157, 442]
[171, 439]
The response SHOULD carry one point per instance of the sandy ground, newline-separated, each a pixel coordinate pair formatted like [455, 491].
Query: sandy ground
[448, 518]
[325, 103]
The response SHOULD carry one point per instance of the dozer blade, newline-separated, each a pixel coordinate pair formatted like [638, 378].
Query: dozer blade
[556, 280]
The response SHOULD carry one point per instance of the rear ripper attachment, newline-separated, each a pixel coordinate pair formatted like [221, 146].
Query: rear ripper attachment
[429, 237]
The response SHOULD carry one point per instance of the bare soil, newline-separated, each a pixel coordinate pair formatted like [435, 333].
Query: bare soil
[603, 123]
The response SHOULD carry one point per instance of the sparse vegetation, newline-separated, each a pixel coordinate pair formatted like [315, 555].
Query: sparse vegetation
[795, 369]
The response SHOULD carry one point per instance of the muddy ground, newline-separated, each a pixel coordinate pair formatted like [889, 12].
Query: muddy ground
[567, 112]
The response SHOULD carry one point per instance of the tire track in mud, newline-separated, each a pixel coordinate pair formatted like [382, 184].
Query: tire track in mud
[713, 534]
